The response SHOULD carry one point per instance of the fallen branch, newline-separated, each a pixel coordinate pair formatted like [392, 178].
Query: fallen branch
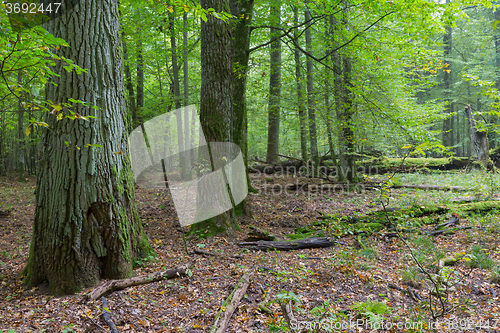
[263, 306]
[433, 187]
[107, 317]
[230, 304]
[306, 243]
[114, 285]
[259, 234]
[449, 231]
[206, 253]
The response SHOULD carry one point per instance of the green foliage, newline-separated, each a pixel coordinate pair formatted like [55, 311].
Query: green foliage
[371, 310]
[479, 258]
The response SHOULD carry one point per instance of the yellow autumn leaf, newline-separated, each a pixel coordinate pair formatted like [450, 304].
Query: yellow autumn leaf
[170, 9]
[28, 130]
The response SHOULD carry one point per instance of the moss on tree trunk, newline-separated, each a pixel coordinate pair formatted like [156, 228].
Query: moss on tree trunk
[86, 226]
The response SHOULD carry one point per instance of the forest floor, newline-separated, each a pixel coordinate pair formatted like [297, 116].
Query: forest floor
[370, 281]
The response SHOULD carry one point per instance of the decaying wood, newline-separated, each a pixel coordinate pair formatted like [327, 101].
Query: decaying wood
[287, 313]
[449, 231]
[478, 139]
[259, 234]
[206, 253]
[107, 317]
[114, 285]
[230, 304]
[433, 187]
[263, 305]
[454, 220]
[306, 243]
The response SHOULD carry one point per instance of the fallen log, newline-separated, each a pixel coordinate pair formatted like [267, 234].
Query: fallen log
[306, 243]
[231, 303]
[107, 317]
[114, 285]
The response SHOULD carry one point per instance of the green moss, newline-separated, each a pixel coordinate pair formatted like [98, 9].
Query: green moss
[369, 227]
[207, 228]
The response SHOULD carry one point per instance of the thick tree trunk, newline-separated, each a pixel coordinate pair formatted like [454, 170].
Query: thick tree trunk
[243, 11]
[478, 139]
[300, 95]
[310, 96]
[86, 226]
[216, 106]
[447, 87]
[273, 129]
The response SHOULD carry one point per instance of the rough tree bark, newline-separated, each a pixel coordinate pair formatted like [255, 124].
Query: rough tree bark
[273, 129]
[300, 94]
[86, 225]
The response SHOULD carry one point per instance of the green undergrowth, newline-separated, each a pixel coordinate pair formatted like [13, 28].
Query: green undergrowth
[407, 219]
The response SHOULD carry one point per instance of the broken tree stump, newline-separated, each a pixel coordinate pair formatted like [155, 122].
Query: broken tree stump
[306, 243]
[478, 139]
[231, 303]
[114, 285]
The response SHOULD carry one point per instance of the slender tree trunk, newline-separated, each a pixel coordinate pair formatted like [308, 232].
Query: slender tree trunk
[128, 81]
[86, 225]
[300, 95]
[338, 93]
[177, 97]
[347, 124]
[243, 11]
[185, 67]
[329, 114]
[310, 95]
[137, 117]
[447, 87]
[273, 129]
[20, 129]
[185, 78]
[216, 107]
